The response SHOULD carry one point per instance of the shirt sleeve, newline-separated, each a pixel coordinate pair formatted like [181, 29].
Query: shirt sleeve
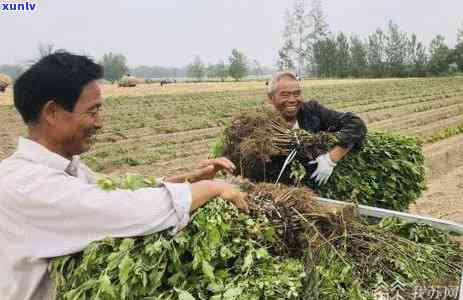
[64, 214]
[351, 130]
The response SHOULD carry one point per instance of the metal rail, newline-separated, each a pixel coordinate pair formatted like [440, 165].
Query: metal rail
[376, 212]
[371, 211]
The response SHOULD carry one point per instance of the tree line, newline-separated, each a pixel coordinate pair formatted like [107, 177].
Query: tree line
[238, 67]
[115, 66]
[311, 49]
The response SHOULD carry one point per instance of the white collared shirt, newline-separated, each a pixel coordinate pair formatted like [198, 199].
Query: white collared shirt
[44, 213]
[296, 125]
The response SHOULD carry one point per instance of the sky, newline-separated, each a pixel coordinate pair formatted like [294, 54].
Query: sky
[172, 32]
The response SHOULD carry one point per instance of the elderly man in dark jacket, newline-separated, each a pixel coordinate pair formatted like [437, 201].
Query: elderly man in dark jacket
[285, 94]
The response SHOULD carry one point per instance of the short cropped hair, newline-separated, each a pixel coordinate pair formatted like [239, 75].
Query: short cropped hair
[272, 87]
[60, 77]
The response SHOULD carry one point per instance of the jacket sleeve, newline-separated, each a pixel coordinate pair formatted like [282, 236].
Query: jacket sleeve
[351, 130]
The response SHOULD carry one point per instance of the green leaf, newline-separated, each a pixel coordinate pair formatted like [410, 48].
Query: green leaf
[106, 287]
[208, 270]
[184, 295]
[262, 253]
[232, 293]
[269, 234]
[247, 261]
[125, 267]
[214, 236]
[215, 287]
[126, 244]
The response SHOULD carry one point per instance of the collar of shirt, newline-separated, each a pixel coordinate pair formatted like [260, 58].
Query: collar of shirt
[35, 152]
[296, 125]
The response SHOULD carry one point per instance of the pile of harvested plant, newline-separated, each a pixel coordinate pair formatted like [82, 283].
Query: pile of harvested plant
[288, 247]
[387, 171]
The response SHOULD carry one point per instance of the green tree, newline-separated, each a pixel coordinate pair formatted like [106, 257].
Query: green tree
[210, 71]
[305, 25]
[196, 69]
[319, 30]
[114, 66]
[439, 56]
[420, 61]
[221, 70]
[395, 50]
[343, 58]
[238, 65]
[358, 54]
[410, 55]
[301, 23]
[285, 62]
[375, 54]
[456, 56]
[324, 57]
[460, 35]
[287, 53]
[256, 68]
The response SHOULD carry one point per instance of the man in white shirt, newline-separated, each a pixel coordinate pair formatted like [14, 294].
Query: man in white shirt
[49, 203]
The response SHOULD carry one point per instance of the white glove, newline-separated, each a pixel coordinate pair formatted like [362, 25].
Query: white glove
[324, 169]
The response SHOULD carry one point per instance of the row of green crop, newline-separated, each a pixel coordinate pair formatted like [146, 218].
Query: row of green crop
[443, 134]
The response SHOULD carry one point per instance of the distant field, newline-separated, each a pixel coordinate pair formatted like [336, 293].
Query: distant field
[110, 90]
[154, 130]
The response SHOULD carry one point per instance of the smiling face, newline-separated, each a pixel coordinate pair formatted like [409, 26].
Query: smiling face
[287, 98]
[74, 130]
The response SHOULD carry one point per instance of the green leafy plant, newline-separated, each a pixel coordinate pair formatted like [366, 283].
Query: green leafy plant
[287, 248]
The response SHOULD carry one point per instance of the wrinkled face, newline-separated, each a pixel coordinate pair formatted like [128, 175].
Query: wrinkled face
[75, 130]
[287, 98]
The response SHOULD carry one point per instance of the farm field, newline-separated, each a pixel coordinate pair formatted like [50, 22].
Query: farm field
[159, 131]
[111, 90]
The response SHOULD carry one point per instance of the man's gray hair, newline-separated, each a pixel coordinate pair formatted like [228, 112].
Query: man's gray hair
[272, 87]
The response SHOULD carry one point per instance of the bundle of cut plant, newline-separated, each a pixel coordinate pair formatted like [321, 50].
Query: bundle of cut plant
[337, 245]
[288, 247]
[5, 81]
[128, 81]
[387, 171]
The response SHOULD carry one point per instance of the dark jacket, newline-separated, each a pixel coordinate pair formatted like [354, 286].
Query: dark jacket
[351, 130]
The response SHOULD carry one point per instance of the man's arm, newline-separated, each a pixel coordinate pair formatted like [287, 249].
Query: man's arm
[337, 153]
[64, 214]
[351, 130]
[205, 190]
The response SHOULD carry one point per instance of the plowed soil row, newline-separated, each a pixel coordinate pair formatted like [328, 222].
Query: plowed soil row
[444, 195]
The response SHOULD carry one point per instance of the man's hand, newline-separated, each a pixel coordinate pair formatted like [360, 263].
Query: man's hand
[231, 193]
[207, 169]
[324, 168]
[206, 190]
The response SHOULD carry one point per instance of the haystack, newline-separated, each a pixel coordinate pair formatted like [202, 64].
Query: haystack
[128, 81]
[5, 81]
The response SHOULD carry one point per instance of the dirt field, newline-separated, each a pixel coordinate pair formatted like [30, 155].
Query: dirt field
[184, 120]
[443, 197]
[112, 90]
